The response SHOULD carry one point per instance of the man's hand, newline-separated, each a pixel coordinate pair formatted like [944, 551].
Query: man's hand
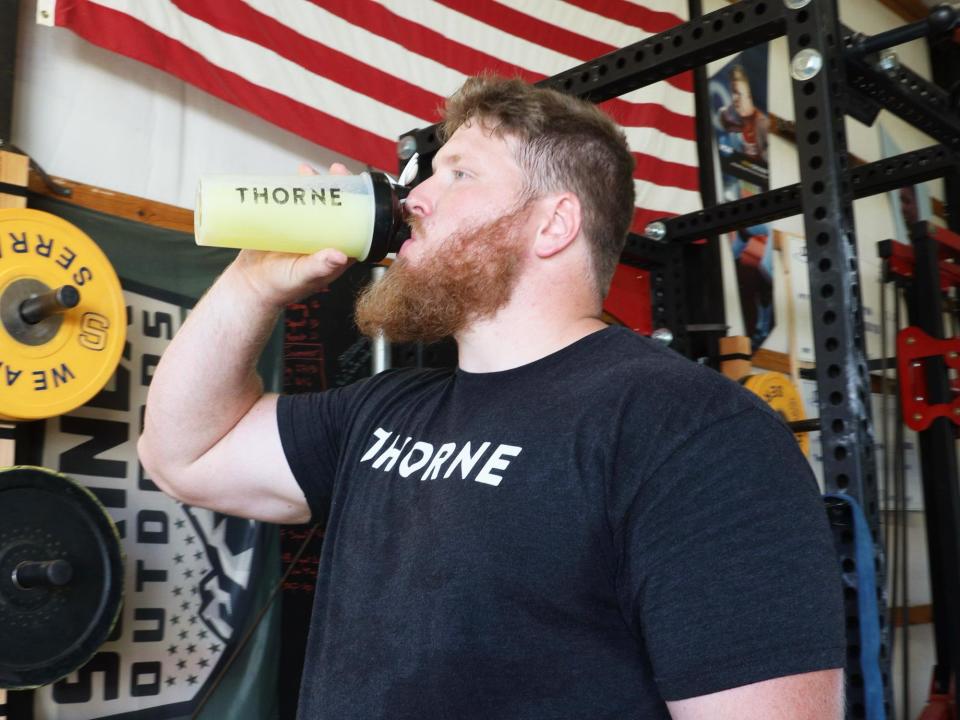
[280, 278]
[210, 434]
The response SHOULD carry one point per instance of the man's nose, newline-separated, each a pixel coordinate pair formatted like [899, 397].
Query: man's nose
[419, 202]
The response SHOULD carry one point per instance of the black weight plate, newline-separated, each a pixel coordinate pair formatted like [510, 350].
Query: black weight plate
[48, 632]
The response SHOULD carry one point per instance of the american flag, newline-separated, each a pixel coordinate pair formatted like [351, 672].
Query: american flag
[354, 75]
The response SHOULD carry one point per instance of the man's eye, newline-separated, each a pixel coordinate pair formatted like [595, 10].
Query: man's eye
[459, 174]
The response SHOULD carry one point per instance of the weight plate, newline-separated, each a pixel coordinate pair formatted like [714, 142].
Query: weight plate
[55, 365]
[782, 395]
[49, 630]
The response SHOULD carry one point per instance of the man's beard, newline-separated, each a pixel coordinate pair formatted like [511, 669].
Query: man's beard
[470, 277]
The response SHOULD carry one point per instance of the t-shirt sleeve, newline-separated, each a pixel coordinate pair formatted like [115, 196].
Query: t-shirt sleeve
[312, 427]
[728, 572]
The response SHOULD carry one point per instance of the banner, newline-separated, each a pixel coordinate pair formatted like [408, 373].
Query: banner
[194, 579]
[738, 96]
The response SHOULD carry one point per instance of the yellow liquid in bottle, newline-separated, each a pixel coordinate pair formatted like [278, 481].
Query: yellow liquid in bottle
[286, 214]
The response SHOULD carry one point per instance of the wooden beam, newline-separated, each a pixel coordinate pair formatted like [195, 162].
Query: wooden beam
[13, 171]
[909, 10]
[916, 615]
[119, 204]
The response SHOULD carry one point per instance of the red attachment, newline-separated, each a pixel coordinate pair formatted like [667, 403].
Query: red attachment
[913, 347]
[947, 238]
[941, 706]
[901, 262]
[629, 299]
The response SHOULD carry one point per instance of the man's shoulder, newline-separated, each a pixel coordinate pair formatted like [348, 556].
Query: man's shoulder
[660, 383]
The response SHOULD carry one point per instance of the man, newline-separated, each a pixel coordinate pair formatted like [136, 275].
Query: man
[562, 527]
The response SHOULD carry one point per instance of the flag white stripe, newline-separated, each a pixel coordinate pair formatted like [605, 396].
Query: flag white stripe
[666, 147]
[610, 32]
[264, 67]
[324, 27]
[669, 199]
[517, 51]
[674, 7]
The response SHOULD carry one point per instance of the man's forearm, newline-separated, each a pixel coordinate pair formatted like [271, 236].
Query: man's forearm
[206, 379]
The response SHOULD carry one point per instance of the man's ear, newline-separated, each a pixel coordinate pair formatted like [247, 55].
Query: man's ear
[562, 217]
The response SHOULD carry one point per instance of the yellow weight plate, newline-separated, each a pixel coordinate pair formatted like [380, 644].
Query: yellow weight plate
[57, 364]
[782, 396]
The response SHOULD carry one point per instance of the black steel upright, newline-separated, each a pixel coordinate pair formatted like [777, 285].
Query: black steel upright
[938, 459]
[816, 52]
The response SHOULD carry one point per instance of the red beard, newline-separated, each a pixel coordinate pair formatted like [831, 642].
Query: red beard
[470, 277]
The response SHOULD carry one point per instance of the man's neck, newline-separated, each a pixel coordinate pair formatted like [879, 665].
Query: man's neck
[510, 340]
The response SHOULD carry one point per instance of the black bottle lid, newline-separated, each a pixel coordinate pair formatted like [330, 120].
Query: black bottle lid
[390, 229]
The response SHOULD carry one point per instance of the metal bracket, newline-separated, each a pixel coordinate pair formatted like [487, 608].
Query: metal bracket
[914, 347]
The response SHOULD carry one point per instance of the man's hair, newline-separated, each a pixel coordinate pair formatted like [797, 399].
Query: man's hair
[563, 143]
[739, 72]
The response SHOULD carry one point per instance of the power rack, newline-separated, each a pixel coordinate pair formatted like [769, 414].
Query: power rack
[834, 72]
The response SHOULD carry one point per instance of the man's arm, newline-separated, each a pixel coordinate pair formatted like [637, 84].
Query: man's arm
[810, 696]
[210, 434]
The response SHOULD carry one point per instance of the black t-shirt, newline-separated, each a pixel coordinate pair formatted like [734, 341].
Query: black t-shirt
[586, 536]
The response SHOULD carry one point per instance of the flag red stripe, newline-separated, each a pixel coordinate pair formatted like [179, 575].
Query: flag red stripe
[652, 21]
[420, 39]
[470, 61]
[543, 33]
[238, 18]
[123, 34]
[663, 172]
